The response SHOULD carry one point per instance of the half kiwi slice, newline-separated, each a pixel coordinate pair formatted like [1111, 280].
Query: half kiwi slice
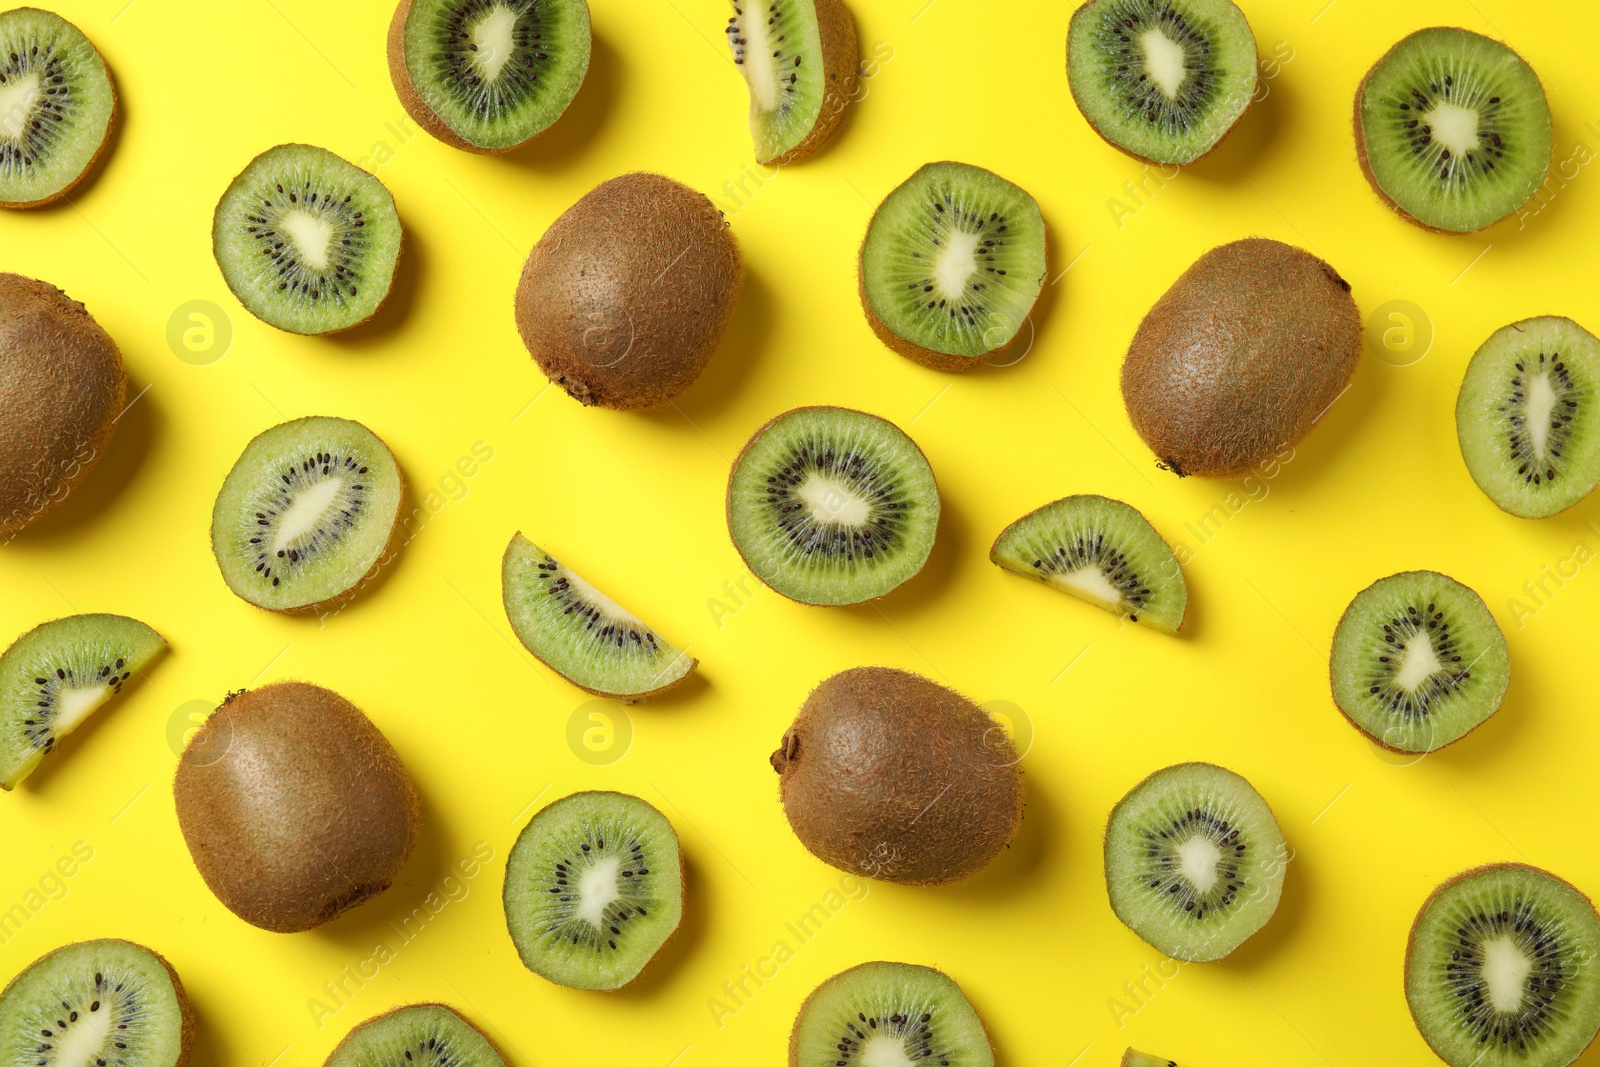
[951, 265]
[1134, 1058]
[57, 674]
[888, 1013]
[1194, 861]
[594, 888]
[582, 634]
[1163, 80]
[1453, 130]
[799, 59]
[96, 1002]
[1418, 661]
[57, 107]
[307, 241]
[1102, 551]
[832, 506]
[1528, 416]
[1500, 969]
[418, 1035]
[309, 512]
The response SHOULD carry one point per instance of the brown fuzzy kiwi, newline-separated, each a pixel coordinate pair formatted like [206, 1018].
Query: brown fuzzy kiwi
[841, 62]
[627, 294]
[294, 806]
[99, 152]
[62, 386]
[1240, 357]
[888, 775]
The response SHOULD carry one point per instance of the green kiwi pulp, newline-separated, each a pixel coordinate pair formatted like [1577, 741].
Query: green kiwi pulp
[798, 58]
[1500, 969]
[594, 888]
[1418, 661]
[1453, 129]
[1528, 416]
[418, 1035]
[1163, 80]
[891, 1014]
[57, 106]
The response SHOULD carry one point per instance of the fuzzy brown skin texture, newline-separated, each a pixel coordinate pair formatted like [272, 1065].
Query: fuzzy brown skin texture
[1240, 357]
[62, 386]
[294, 806]
[628, 293]
[94, 160]
[334, 1055]
[841, 62]
[888, 775]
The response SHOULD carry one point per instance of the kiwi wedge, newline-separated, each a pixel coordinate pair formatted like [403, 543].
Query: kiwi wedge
[1453, 130]
[1163, 80]
[1194, 861]
[594, 888]
[1102, 551]
[1134, 1058]
[57, 107]
[832, 506]
[582, 634]
[1418, 662]
[799, 60]
[307, 241]
[417, 1035]
[1500, 969]
[1528, 416]
[888, 1013]
[951, 265]
[96, 1002]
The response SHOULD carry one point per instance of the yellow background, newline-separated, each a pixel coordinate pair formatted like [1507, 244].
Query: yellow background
[634, 502]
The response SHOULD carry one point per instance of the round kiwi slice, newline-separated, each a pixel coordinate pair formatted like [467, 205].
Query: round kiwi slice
[1528, 416]
[799, 59]
[832, 506]
[1163, 80]
[1418, 661]
[1453, 130]
[307, 241]
[1134, 1058]
[1500, 969]
[417, 1035]
[889, 1014]
[1102, 551]
[1194, 861]
[57, 107]
[951, 265]
[594, 888]
[488, 75]
[110, 1003]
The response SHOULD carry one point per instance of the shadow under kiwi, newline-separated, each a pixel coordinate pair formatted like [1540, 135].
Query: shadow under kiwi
[206, 1045]
[1490, 746]
[1026, 339]
[1013, 870]
[1280, 928]
[657, 975]
[743, 345]
[91, 177]
[924, 590]
[580, 125]
[1322, 446]
[395, 310]
[691, 689]
[1230, 161]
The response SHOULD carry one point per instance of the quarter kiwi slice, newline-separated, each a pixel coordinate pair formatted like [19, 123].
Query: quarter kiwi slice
[832, 506]
[96, 1002]
[1163, 80]
[1102, 551]
[1453, 130]
[951, 265]
[1500, 969]
[890, 1014]
[1418, 662]
[57, 107]
[1134, 1058]
[1194, 861]
[307, 241]
[594, 888]
[418, 1035]
[799, 59]
[582, 634]
[1528, 416]
[57, 674]
[308, 513]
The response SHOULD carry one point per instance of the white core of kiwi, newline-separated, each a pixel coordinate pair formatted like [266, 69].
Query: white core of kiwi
[1505, 972]
[830, 500]
[1197, 862]
[85, 1043]
[75, 705]
[1163, 62]
[881, 1050]
[311, 508]
[1536, 411]
[597, 887]
[492, 36]
[759, 69]
[1454, 127]
[600, 602]
[1418, 662]
[957, 263]
[16, 104]
[1092, 584]
[311, 235]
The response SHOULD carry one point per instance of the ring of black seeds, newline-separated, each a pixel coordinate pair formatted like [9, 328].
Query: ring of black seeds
[862, 476]
[452, 60]
[1162, 869]
[280, 563]
[1416, 704]
[1112, 564]
[612, 631]
[1409, 111]
[52, 107]
[949, 216]
[126, 1006]
[37, 730]
[632, 899]
[1535, 469]
[910, 1027]
[343, 278]
[1117, 36]
[1540, 990]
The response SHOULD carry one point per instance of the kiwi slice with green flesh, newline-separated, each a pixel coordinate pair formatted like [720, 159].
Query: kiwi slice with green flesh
[1134, 1058]
[1418, 661]
[307, 241]
[832, 506]
[1194, 861]
[418, 1035]
[799, 59]
[951, 265]
[582, 634]
[1163, 80]
[57, 674]
[1500, 969]
[307, 513]
[57, 107]
[594, 888]
[110, 1003]
[1102, 551]
[1453, 130]
[890, 1014]
[1528, 416]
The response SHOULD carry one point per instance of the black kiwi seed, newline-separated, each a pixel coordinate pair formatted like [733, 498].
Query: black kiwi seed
[793, 517]
[342, 514]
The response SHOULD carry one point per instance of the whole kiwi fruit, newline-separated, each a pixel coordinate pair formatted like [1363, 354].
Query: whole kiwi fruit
[627, 294]
[888, 775]
[1239, 359]
[294, 807]
[62, 386]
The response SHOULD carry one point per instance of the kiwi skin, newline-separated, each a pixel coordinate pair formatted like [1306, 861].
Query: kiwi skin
[99, 153]
[841, 59]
